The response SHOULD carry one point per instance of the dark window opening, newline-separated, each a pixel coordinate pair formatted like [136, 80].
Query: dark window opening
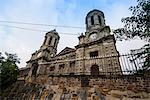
[55, 42]
[61, 66]
[74, 95]
[99, 19]
[71, 74]
[35, 67]
[92, 20]
[52, 68]
[72, 64]
[50, 40]
[72, 67]
[94, 54]
[84, 82]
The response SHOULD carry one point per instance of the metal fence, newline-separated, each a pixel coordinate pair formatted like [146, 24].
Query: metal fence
[134, 63]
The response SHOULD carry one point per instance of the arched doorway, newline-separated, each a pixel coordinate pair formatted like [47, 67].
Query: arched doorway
[95, 70]
[35, 67]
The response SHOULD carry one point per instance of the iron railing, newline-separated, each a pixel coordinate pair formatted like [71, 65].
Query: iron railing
[128, 63]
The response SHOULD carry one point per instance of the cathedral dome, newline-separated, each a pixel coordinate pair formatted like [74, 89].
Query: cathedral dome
[94, 10]
[53, 32]
[95, 18]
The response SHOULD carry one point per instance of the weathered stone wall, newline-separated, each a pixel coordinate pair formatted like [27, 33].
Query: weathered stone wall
[98, 87]
[70, 88]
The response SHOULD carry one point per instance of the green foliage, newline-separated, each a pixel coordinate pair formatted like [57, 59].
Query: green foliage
[137, 25]
[8, 69]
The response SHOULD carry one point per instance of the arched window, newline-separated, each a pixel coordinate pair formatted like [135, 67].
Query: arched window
[92, 20]
[99, 19]
[72, 67]
[50, 40]
[55, 42]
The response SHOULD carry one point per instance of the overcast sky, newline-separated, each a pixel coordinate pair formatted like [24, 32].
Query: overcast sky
[56, 12]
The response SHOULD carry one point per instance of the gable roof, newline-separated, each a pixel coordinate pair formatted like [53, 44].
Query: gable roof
[65, 51]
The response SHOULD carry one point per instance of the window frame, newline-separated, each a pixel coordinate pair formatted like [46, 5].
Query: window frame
[94, 54]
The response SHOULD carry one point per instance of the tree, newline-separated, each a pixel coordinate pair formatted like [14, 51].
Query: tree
[138, 25]
[8, 69]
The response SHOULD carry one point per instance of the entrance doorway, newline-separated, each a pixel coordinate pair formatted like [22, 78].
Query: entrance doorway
[95, 70]
[34, 70]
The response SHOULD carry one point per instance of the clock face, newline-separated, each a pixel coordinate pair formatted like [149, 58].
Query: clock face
[52, 55]
[93, 36]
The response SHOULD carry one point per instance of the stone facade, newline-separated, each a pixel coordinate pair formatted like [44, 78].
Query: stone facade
[85, 58]
[23, 72]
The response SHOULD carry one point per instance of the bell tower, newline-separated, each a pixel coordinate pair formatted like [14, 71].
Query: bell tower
[95, 26]
[50, 43]
[48, 48]
[97, 42]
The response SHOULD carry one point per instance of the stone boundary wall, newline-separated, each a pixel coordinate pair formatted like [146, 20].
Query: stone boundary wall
[134, 84]
[71, 88]
[125, 82]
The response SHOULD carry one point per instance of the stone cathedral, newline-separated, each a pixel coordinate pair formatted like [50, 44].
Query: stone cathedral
[92, 70]
[85, 58]
[67, 74]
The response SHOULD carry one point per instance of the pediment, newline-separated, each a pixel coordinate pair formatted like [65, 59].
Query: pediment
[65, 51]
